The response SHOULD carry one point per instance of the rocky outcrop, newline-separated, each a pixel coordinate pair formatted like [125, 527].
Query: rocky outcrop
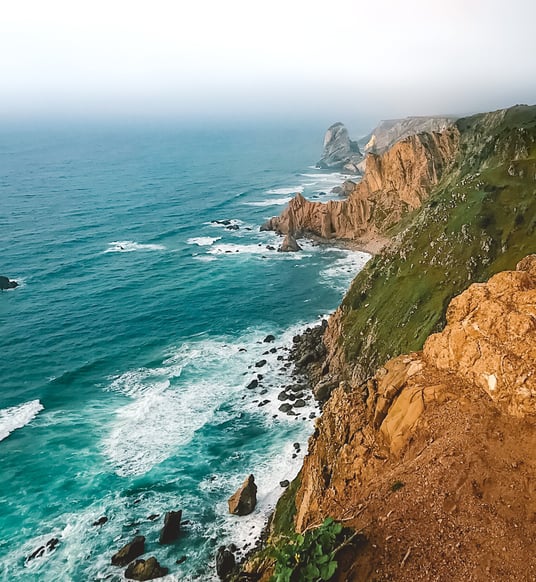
[145, 570]
[6, 283]
[436, 452]
[225, 563]
[340, 152]
[289, 244]
[172, 526]
[394, 183]
[244, 500]
[129, 552]
[390, 131]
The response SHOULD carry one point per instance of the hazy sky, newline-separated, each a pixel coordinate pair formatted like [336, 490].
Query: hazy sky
[225, 58]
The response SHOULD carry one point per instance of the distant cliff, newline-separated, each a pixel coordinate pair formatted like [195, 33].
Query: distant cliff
[340, 152]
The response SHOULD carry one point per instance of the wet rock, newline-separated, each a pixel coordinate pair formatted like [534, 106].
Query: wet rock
[284, 483]
[297, 446]
[129, 552]
[269, 338]
[101, 521]
[244, 500]
[270, 247]
[285, 407]
[232, 227]
[260, 377]
[145, 570]
[153, 516]
[263, 403]
[225, 563]
[282, 396]
[48, 547]
[260, 363]
[289, 245]
[181, 560]
[252, 384]
[172, 525]
[299, 403]
[6, 283]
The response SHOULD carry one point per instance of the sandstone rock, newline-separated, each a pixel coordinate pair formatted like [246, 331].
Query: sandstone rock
[225, 563]
[289, 245]
[244, 500]
[339, 150]
[129, 552]
[145, 570]
[172, 526]
[325, 387]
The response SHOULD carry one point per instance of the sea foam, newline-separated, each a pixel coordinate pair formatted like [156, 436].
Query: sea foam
[129, 246]
[18, 416]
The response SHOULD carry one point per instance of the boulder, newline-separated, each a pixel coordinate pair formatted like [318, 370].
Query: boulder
[225, 563]
[6, 283]
[172, 526]
[253, 384]
[244, 500]
[129, 552]
[260, 363]
[289, 245]
[322, 391]
[48, 547]
[101, 521]
[269, 338]
[145, 570]
[285, 407]
[284, 483]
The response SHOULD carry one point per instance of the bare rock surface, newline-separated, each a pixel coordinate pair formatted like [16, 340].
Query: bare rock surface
[244, 500]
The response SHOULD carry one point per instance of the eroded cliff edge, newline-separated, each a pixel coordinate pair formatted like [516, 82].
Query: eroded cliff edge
[431, 455]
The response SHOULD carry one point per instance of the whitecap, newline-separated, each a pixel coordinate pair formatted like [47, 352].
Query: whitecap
[128, 246]
[203, 241]
[18, 416]
[273, 202]
[342, 271]
[293, 190]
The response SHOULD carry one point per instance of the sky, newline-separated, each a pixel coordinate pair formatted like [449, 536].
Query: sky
[209, 59]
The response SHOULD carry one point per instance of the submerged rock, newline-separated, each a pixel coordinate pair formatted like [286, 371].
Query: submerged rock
[129, 552]
[172, 525]
[244, 500]
[145, 570]
[101, 521]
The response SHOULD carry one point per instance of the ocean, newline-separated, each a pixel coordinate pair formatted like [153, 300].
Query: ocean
[146, 291]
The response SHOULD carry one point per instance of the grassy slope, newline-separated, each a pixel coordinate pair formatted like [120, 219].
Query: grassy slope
[479, 220]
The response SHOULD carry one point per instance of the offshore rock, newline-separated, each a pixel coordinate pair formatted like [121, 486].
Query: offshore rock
[6, 283]
[145, 570]
[244, 500]
[225, 563]
[289, 244]
[340, 152]
[129, 552]
[172, 525]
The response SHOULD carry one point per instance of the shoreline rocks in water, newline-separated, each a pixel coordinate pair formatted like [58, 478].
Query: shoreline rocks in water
[145, 570]
[172, 525]
[225, 563]
[243, 502]
[129, 552]
[6, 283]
[289, 245]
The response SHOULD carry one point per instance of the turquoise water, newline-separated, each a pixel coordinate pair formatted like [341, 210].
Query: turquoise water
[126, 350]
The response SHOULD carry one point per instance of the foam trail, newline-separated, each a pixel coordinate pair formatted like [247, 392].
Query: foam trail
[273, 202]
[129, 246]
[293, 190]
[203, 241]
[18, 416]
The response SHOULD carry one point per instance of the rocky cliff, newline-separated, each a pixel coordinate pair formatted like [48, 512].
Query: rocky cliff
[427, 445]
[394, 183]
[389, 131]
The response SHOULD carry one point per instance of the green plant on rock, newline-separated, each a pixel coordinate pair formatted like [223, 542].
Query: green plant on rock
[310, 557]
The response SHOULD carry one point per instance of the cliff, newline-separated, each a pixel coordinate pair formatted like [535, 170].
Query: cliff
[340, 152]
[389, 131]
[427, 445]
[394, 183]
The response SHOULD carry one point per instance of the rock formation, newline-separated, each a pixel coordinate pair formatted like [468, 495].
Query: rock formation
[172, 525]
[244, 500]
[145, 570]
[388, 132]
[6, 283]
[340, 152]
[289, 244]
[225, 563]
[394, 183]
[129, 552]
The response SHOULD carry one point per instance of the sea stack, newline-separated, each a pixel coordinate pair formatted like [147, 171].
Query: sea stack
[340, 152]
[244, 500]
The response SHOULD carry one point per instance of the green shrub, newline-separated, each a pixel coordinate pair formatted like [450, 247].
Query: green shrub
[310, 557]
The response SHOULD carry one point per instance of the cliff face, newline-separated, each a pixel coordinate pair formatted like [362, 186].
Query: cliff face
[394, 183]
[436, 454]
[390, 131]
[340, 152]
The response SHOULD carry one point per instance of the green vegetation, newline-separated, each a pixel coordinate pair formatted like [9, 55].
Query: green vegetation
[285, 510]
[310, 557]
[396, 486]
[480, 219]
